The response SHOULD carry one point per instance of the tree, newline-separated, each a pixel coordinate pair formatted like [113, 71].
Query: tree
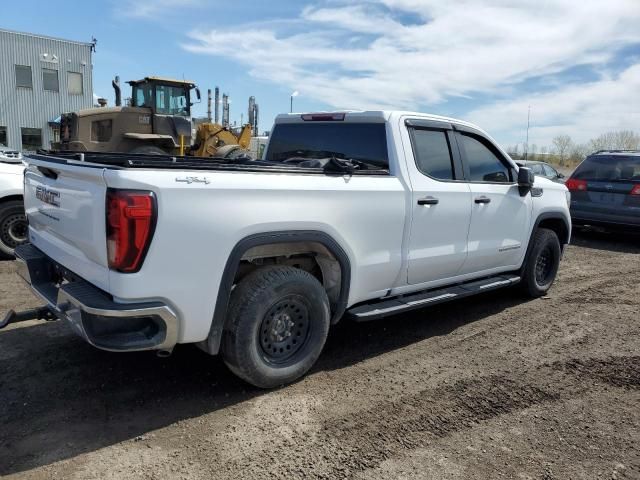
[627, 140]
[578, 153]
[562, 145]
[514, 151]
[620, 140]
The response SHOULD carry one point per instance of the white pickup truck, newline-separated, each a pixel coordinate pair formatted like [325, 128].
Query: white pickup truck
[13, 223]
[356, 214]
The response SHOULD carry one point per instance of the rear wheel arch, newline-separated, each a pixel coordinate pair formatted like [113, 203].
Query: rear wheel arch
[326, 251]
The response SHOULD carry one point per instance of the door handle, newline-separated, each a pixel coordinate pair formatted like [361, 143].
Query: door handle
[428, 201]
[482, 199]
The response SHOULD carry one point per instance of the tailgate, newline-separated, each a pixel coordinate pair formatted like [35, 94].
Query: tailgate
[65, 206]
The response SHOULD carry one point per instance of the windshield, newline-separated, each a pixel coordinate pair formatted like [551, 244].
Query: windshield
[366, 142]
[609, 168]
[171, 100]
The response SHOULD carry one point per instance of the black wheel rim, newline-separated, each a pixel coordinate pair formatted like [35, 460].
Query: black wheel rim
[13, 230]
[284, 330]
[544, 266]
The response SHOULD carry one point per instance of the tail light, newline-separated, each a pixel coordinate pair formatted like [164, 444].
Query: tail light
[636, 189]
[131, 220]
[576, 185]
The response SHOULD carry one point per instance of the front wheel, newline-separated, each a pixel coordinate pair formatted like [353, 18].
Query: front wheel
[277, 326]
[542, 263]
[13, 226]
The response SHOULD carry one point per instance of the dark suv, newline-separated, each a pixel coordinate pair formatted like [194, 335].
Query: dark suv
[605, 190]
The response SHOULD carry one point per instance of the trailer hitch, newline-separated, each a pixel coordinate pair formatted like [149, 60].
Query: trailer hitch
[40, 313]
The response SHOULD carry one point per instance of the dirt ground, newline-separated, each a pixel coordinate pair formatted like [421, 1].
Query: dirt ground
[494, 387]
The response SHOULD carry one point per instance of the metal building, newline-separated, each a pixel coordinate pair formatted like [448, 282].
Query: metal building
[40, 78]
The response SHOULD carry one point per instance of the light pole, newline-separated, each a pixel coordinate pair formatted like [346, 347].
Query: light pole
[526, 145]
[294, 94]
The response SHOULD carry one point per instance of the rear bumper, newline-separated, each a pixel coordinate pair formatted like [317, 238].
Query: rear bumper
[92, 313]
[587, 217]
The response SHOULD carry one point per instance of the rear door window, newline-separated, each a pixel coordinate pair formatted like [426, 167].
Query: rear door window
[359, 141]
[432, 153]
[609, 168]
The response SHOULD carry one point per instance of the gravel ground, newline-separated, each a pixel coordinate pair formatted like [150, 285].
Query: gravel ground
[495, 386]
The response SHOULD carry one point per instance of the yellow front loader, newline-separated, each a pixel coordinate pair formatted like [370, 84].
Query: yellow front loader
[214, 140]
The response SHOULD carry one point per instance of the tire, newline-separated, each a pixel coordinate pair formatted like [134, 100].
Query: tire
[542, 263]
[149, 150]
[13, 226]
[276, 327]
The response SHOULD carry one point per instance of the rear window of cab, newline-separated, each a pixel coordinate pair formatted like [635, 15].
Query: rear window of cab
[358, 141]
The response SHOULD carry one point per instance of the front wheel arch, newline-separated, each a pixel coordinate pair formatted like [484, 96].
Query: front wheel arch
[554, 221]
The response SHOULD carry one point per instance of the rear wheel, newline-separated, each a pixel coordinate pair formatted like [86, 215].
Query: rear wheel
[13, 226]
[149, 150]
[277, 326]
[542, 264]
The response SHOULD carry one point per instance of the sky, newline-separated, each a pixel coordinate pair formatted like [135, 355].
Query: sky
[574, 63]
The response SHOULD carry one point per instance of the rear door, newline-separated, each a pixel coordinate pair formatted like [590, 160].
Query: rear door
[65, 207]
[441, 203]
[500, 218]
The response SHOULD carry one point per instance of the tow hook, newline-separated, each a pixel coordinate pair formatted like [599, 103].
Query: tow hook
[40, 313]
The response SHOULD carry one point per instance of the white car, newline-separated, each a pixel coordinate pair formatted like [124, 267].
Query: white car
[356, 214]
[13, 223]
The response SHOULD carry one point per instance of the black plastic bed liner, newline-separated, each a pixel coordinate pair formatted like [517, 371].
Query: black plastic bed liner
[140, 160]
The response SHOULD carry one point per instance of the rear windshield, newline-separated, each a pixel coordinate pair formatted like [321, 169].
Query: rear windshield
[358, 141]
[609, 168]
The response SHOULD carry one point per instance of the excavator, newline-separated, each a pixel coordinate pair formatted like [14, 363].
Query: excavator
[156, 121]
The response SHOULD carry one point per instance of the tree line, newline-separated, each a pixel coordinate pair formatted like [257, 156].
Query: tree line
[567, 153]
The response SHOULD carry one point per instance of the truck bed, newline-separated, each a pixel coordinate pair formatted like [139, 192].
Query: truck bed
[146, 161]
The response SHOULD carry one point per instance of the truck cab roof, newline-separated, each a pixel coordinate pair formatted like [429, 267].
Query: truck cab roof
[369, 116]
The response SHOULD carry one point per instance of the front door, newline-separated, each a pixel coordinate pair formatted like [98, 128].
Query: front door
[500, 218]
[441, 204]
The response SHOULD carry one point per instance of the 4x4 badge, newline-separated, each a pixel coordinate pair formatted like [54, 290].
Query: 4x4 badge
[191, 180]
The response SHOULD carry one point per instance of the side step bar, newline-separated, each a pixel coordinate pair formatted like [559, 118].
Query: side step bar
[393, 306]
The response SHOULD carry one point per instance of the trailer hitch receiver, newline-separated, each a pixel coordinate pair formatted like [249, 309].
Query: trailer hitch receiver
[40, 313]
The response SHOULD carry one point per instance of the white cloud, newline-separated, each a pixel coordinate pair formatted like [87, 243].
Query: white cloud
[152, 8]
[582, 111]
[362, 54]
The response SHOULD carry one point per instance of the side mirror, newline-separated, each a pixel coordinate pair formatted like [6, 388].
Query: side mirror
[525, 180]
[560, 175]
[198, 93]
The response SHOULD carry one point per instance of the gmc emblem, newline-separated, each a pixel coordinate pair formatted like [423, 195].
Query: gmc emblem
[48, 196]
